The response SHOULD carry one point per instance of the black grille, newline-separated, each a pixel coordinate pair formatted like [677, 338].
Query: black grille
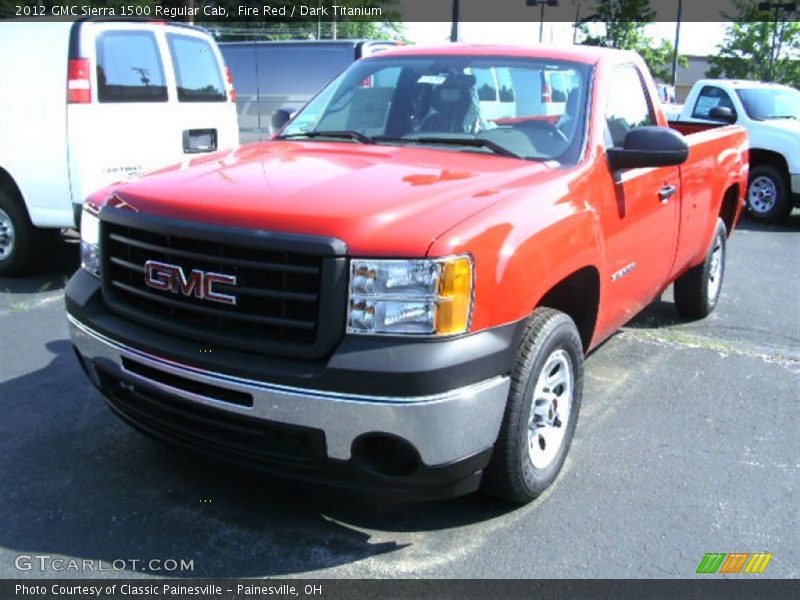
[234, 437]
[286, 289]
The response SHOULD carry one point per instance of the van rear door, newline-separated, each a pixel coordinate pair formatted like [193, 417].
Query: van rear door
[149, 104]
[205, 112]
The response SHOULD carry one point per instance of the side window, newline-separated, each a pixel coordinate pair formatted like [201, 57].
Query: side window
[386, 77]
[627, 106]
[528, 86]
[558, 86]
[129, 67]
[196, 70]
[710, 97]
[484, 83]
[506, 85]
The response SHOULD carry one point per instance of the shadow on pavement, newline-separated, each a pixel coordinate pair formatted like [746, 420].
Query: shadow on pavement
[789, 225]
[660, 313]
[58, 261]
[123, 496]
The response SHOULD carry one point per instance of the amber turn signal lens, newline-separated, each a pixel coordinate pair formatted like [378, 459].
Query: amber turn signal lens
[455, 296]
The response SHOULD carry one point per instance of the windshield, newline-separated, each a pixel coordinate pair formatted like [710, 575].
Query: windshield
[770, 103]
[523, 108]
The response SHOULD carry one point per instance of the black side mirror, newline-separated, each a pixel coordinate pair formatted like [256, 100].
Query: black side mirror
[649, 147]
[280, 118]
[722, 113]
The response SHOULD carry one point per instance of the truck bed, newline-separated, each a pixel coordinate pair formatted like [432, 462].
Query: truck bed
[691, 127]
[713, 148]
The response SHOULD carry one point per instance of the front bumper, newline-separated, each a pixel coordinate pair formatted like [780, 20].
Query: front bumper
[795, 182]
[427, 445]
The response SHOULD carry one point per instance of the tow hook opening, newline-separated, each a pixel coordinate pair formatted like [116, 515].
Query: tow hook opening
[385, 455]
[88, 368]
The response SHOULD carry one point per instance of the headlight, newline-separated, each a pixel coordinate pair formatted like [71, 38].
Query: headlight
[90, 242]
[431, 297]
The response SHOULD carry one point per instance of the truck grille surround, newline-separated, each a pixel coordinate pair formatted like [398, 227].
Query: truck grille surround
[290, 289]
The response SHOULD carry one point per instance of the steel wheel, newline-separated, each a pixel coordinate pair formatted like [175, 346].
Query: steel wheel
[550, 409]
[715, 268]
[762, 195]
[7, 236]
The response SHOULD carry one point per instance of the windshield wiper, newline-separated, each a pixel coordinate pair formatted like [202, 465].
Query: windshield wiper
[344, 133]
[769, 117]
[453, 141]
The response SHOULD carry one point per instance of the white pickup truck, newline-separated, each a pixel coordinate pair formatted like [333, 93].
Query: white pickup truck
[771, 115]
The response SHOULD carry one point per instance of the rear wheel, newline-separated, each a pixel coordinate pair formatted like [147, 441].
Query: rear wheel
[542, 409]
[768, 194]
[697, 291]
[20, 241]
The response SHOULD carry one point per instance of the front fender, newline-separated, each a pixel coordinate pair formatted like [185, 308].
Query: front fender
[522, 248]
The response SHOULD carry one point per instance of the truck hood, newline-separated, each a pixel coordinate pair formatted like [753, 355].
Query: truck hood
[788, 125]
[379, 200]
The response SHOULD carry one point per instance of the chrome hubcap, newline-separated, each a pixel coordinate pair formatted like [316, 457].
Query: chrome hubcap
[6, 235]
[715, 269]
[762, 194]
[550, 409]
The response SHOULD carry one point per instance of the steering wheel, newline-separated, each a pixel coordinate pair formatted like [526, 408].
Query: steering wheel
[546, 127]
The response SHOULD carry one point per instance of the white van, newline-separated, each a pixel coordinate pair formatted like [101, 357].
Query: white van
[84, 104]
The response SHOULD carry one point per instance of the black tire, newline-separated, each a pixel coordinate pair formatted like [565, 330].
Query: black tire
[511, 474]
[696, 295]
[768, 194]
[27, 239]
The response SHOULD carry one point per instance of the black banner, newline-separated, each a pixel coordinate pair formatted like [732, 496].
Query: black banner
[289, 11]
[186, 589]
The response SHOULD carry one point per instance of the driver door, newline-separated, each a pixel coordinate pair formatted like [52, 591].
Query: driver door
[641, 206]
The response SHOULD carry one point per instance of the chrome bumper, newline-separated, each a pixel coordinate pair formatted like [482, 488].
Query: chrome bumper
[443, 427]
[795, 182]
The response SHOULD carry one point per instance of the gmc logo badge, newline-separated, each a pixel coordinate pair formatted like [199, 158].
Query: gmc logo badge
[171, 278]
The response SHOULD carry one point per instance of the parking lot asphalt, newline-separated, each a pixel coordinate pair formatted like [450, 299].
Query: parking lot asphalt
[688, 443]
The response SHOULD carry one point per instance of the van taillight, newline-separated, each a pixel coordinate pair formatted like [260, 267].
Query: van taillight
[231, 89]
[79, 87]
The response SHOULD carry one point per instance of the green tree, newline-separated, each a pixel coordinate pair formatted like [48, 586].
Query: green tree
[624, 26]
[748, 52]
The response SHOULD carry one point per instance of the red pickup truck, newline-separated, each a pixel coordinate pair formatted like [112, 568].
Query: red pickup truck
[398, 290]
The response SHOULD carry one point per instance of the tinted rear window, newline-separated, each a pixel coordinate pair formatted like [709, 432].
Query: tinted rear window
[197, 71]
[285, 70]
[129, 68]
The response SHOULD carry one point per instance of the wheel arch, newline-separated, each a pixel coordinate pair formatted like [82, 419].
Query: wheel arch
[729, 209]
[761, 156]
[8, 184]
[577, 295]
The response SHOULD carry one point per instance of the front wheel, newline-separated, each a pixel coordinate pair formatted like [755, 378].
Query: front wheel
[542, 409]
[767, 194]
[697, 291]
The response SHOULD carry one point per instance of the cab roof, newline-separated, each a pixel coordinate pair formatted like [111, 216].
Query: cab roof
[742, 83]
[583, 54]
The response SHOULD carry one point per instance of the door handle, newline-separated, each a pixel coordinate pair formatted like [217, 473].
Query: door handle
[666, 192]
[199, 140]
